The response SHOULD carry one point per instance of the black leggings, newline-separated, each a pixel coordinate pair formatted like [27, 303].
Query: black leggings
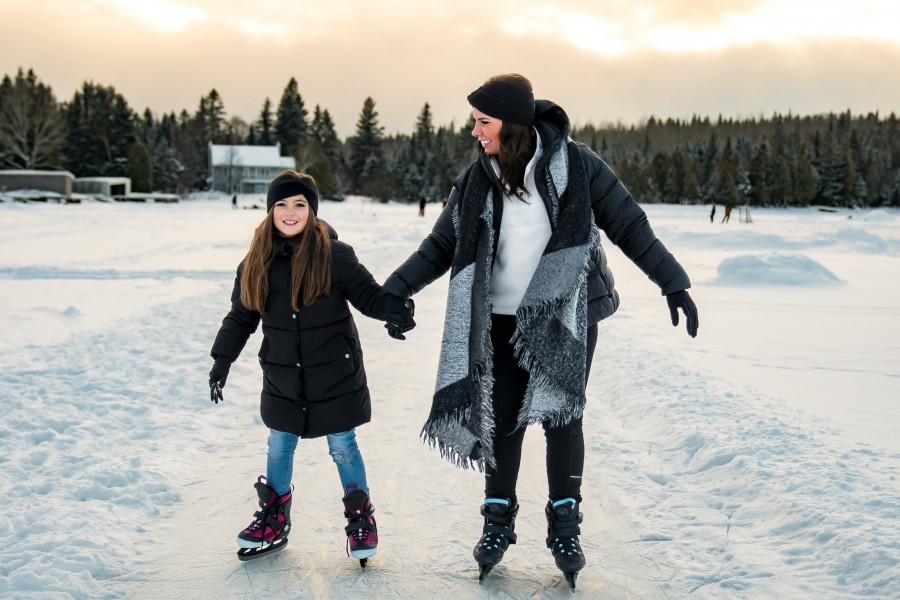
[565, 445]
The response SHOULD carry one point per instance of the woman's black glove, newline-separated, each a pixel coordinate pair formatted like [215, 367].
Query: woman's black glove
[683, 301]
[217, 376]
[398, 315]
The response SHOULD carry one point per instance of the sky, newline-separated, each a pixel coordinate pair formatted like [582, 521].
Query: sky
[604, 61]
[759, 460]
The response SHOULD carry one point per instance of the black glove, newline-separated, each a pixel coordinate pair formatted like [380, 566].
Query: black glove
[398, 315]
[683, 301]
[217, 376]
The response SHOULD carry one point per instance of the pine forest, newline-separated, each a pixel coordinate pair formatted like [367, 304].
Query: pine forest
[833, 160]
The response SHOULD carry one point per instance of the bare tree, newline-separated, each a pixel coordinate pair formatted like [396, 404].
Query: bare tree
[32, 129]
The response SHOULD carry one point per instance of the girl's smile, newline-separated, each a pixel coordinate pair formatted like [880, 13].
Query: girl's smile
[291, 215]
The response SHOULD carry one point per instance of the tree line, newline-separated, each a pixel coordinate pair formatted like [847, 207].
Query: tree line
[838, 159]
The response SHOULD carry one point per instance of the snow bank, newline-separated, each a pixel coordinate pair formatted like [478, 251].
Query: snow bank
[774, 269]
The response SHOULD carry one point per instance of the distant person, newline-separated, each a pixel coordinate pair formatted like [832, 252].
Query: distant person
[234, 201]
[727, 216]
[712, 213]
[422, 206]
[528, 283]
[297, 279]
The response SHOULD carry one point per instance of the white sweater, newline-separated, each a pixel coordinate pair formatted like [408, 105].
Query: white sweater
[524, 233]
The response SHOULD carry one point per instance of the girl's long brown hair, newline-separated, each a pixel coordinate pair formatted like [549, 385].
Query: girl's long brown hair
[310, 264]
[517, 144]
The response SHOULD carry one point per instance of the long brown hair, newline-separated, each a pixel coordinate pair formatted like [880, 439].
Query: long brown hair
[310, 264]
[517, 144]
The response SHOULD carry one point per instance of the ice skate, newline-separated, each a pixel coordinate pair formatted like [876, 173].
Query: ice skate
[497, 534]
[563, 519]
[271, 523]
[361, 530]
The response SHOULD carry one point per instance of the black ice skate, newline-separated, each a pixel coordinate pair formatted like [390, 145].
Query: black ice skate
[563, 519]
[497, 534]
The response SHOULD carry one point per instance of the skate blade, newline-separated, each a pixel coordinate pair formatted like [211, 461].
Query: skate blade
[250, 553]
[570, 579]
[483, 571]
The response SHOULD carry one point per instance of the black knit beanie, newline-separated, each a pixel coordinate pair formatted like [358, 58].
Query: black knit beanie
[289, 185]
[505, 101]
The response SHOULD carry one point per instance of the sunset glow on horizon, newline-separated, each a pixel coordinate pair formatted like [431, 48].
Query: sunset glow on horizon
[602, 60]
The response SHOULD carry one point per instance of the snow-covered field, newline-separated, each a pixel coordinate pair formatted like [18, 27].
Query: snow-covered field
[759, 460]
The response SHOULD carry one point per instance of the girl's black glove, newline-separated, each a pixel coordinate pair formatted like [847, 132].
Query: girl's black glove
[398, 315]
[683, 301]
[217, 376]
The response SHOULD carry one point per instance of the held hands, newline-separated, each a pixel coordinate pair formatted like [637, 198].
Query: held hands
[683, 301]
[399, 315]
[217, 376]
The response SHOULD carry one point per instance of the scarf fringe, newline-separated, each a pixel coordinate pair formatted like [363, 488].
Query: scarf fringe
[435, 435]
[432, 438]
[574, 403]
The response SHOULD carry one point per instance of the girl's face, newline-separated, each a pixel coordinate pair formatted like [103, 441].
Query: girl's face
[487, 130]
[290, 215]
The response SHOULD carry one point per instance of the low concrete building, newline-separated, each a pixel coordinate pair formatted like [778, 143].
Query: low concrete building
[60, 182]
[114, 187]
[245, 169]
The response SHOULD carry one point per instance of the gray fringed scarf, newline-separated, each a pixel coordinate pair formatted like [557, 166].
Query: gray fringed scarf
[550, 341]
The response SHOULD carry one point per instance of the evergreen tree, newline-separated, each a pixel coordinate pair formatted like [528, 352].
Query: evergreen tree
[366, 156]
[806, 183]
[659, 166]
[32, 129]
[160, 138]
[101, 129]
[140, 168]
[291, 126]
[760, 173]
[327, 164]
[691, 191]
[210, 118]
[418, 164]
[193, 153]
[728, 177]
[265, 126]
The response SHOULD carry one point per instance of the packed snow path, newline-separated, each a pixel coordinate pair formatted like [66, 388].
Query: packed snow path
[119, 478]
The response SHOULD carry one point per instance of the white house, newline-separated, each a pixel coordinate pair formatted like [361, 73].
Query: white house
[245, 169]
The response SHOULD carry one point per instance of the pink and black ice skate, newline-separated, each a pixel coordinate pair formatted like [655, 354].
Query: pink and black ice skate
[362, 533]
[271, 523]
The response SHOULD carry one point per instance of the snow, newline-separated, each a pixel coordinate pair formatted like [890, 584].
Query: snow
[759, 460]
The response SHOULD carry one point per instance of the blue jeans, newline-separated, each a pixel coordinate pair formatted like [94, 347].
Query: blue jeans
[341, 446]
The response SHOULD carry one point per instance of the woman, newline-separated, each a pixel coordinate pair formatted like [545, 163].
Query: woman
[528, 284]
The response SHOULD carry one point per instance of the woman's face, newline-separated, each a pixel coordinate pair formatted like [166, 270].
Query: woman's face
[290, 215]
[487, 130]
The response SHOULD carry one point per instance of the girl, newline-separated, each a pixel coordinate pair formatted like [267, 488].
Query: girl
[528, 284]
[297, 279]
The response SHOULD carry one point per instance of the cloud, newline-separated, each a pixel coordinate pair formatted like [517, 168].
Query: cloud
[404, 53]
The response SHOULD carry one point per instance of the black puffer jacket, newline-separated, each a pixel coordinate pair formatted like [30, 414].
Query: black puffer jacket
[314, 382]
[615, 212]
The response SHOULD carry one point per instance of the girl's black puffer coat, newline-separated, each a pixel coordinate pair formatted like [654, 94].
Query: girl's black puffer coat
[314, 382]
